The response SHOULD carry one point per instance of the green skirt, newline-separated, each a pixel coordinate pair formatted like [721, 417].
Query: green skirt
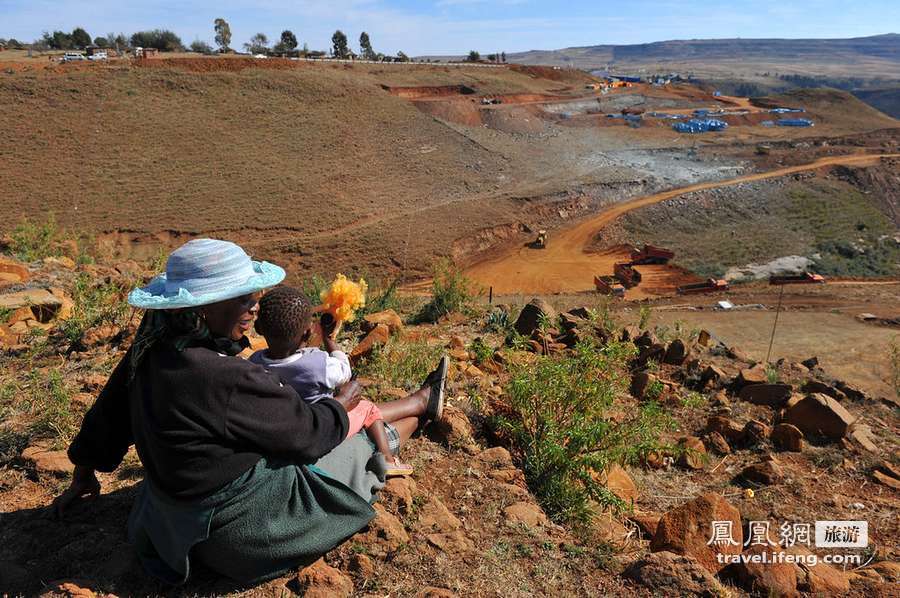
[271, 519]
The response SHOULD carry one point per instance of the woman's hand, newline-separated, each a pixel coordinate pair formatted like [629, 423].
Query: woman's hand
[84, 483]
[349, 395]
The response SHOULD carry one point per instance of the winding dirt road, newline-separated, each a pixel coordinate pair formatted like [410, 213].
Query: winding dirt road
[565, 266]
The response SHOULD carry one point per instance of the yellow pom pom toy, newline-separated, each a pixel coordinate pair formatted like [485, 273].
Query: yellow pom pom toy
[343, 298]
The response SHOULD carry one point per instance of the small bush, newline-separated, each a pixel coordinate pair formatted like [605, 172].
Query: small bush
[94, 305]
[559, 420]
[451, 291]
[42, 399]
[33, 241]
[483, 351]
[400, 363]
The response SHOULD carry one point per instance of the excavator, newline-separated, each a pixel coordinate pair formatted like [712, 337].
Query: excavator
[541, 241]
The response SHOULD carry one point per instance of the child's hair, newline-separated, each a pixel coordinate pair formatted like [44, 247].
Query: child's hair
[283, 313]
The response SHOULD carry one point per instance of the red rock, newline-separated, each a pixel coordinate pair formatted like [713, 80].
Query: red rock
[620, 483]
[639, 383]
[321, 580]
[457, 342]
[756, 432]
[821, 579]
[771, 395]
[688, 529]
[434, 516]
[889, 481]
[432, 592]
[717, 443]
[889, 570]
[385, 534]
[376, 337]
[496, 457]
[46, 460]
[768, 579]
[754, 375]
[453, 429]
[668, 574]
[861, 436]
[819, 414]
[729, 430]
[787, 437]
[647, 523]
[764, 473]
[675, 353]
[694, 455]
[397, 494]
[526, 513]
[703, 338]
[531, 316]
[387, 317]
[455, 542]
[362, 565]
[712, 374]
[13, 271]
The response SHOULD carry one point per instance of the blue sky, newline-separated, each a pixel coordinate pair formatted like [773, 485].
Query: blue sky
[456, 26]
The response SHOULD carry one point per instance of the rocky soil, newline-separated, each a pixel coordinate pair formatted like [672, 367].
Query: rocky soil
[748, 444]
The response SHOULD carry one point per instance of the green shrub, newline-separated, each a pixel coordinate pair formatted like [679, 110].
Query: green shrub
[451, 291]
[33, 241]
[560, 423]
[400, 363]
[94, 305]
[483, 351]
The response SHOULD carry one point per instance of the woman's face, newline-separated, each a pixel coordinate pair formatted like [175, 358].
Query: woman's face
[232, 318]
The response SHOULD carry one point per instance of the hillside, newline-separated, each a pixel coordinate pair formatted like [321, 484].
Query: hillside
[370, 169]
[875, 55]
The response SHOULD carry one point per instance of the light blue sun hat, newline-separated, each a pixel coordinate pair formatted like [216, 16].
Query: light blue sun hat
[205, 271]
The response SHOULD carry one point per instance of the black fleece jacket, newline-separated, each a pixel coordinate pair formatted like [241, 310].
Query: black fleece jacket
[199, 419]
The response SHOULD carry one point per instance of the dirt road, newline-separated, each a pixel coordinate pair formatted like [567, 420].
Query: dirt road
[566, 266]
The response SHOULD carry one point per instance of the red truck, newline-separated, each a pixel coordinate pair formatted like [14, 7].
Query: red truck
[628, 276]
[651, 255]
[802, 278]
[710, 285]
[608, 285]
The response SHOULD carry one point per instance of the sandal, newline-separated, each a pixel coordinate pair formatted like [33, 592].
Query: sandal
[437, 380]
[398, 469]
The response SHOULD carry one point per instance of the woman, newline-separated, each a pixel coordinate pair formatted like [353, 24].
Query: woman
[241, 474]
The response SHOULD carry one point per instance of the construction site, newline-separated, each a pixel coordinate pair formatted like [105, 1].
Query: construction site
[720, 242]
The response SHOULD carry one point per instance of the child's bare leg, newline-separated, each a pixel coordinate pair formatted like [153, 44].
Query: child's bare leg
[413, 405]
[378, 435]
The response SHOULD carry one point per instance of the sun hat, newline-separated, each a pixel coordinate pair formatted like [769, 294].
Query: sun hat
[205, 271]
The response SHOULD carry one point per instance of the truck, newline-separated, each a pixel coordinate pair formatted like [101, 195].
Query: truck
[650, 254]
[710, 285]
[801, 278]
[608, 285]
[626, 274]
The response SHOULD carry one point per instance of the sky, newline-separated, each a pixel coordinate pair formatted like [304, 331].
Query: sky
[446, 27]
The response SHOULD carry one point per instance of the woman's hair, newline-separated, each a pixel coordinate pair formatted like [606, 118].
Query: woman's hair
[283, 312]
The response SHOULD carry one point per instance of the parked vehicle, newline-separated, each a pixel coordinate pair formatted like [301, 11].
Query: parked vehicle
[73, 57]
[652, 255]
[608, 285]
[802, 278]
[711, 285]
[628, 276]
[98, 56]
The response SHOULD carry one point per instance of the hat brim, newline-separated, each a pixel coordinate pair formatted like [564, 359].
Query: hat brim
[154, 296]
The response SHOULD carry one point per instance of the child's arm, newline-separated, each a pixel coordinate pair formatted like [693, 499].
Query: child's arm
[337, 367]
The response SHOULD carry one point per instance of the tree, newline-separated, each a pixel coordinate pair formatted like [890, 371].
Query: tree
[474, 56]
[401, 57]
[365, 47]
[101, 42]
[80, 38]
[339, 45]
[223, 34]
[117, 40]
[492, 57]
[161, 39]
[201, 47]
[58, 40]
[502, 56]
[258, 44]
[288, 42]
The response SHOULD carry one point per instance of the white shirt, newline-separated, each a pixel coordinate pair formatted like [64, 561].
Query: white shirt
[337, 364]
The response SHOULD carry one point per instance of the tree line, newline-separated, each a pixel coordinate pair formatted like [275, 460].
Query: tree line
[259, 44]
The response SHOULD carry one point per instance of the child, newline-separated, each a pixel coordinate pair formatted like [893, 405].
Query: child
[285, 320]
